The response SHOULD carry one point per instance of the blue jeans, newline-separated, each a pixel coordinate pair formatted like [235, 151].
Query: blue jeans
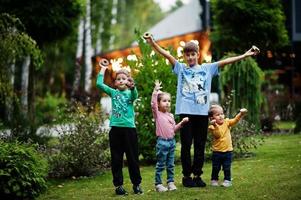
[221, 159]
[165, 152]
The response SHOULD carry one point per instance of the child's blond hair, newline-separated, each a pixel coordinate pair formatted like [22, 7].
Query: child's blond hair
[212, 109]
[122, 71]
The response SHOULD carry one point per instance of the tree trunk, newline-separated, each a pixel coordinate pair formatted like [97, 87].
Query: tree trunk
[24, 85]
[8, 99]
[113, 22]
[88, 49]
[78, 58]
[31, 98]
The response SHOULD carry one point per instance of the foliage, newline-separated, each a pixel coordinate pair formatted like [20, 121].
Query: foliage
[245, 137]
[118, 28]
[47, 108]
[83, 147]
[14, 47]
[22, 171]
[48, 20]
[150, 67]
[15, 43]
[239, 24]
[244, 78]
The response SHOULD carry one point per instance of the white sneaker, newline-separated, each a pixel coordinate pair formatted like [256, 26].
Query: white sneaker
[214, 183]
[160, 188]
[171, 186]
[227, 183]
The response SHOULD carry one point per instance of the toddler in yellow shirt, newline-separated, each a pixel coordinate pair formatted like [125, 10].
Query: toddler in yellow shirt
[222, 144]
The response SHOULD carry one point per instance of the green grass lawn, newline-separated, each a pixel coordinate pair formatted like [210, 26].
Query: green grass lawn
[274, 173]
[285, 125]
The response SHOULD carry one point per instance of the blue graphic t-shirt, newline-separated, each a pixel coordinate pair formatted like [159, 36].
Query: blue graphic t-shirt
[193, 88]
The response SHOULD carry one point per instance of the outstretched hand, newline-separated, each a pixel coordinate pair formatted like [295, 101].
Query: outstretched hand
[148, 37]
[157, 85]
[185, 120]
[243, 111]
[253, 51]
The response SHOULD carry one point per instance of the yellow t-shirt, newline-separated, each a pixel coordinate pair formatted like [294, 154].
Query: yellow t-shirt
[222, 141]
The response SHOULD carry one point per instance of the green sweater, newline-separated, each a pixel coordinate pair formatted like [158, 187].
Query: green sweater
[123, 114]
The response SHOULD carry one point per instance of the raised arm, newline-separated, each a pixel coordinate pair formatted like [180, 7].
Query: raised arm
[154, 101]
[149, 38]
[251, 52]
[100, 80]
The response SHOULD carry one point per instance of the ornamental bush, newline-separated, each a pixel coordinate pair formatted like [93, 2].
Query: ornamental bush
[22, 171]
[82, 148]
[244, 79]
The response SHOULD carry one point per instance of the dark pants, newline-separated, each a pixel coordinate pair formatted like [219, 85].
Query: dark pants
[221, 159]
[195, 130]
[124, 140]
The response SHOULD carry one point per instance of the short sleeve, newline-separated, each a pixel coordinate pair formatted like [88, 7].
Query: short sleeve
[177, 68]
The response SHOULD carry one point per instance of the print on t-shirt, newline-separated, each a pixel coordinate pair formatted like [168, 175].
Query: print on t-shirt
[119, 109]
[194, 84]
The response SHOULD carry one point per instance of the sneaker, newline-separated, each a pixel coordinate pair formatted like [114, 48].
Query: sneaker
[188, 182]
[120, 190]
[199, 182]
[137, 189]
[214, 183]
[227, 183]
[171, 186]
[160, 188]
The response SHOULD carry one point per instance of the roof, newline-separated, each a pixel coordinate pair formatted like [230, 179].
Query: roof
[184, 20]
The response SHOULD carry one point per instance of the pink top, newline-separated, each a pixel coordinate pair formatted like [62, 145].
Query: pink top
[165, 122]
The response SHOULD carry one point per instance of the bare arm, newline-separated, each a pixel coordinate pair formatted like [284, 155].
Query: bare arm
[251, 52]
[181, 124]
[154, 103]
[149, 38]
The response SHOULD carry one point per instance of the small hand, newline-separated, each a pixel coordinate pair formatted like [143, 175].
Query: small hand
[185, 120]
[148, 37]
[243, 111]
[213, 122]
[157, 85]
[253, 51]
[103, 63]
[131, 83]
[103, 68]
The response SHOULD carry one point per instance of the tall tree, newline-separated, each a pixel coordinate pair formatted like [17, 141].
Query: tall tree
[15, 47]
[238, 24]
[48, 21]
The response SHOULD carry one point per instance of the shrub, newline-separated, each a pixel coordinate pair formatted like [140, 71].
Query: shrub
[245, 78]
[83, 147]
[46, 108]
[22, 171]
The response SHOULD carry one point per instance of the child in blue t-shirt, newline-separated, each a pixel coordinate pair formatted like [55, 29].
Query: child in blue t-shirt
[193, 90]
